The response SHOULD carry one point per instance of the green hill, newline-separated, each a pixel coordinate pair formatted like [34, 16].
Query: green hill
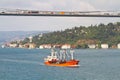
[94, 34]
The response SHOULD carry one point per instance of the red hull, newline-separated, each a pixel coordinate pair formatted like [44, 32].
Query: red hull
[70, 63]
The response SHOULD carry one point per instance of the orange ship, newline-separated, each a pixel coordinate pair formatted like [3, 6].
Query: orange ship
[60, 59]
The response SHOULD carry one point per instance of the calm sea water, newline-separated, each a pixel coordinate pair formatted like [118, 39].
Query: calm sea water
[25, 64]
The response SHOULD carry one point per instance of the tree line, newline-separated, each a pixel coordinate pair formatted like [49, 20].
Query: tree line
[81, 36]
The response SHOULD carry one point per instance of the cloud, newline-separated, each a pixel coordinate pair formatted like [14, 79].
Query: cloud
[105, 4]
[48, 4]
[69, 5]
[41, 5]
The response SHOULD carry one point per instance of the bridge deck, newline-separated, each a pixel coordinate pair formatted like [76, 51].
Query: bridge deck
[18, 12]
[55, 15]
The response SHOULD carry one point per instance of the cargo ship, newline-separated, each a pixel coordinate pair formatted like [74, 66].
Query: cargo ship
[63, 58]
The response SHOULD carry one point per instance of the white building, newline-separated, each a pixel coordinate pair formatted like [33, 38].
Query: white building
[41, 47]
[3, 46]
[30, 38]
[13, 45]
[21, 46]
[92, 46]
[118, 46]
[46, 46]
[66, 46]
[32, 46]
[104, 46]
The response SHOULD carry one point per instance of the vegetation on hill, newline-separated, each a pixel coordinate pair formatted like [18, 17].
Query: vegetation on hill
[81, 36]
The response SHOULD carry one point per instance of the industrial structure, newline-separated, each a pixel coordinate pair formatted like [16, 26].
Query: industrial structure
[20, 12]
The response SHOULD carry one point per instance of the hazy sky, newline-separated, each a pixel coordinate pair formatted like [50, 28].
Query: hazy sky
[12, 23]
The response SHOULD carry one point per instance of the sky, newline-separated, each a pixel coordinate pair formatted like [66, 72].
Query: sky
[40, 23]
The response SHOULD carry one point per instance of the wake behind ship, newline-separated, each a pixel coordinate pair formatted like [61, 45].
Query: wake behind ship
[62, 59]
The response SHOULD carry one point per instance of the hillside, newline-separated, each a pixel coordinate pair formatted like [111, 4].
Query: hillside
[94, 34]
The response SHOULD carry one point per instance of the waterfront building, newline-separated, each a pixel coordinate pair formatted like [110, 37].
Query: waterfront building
[30, 45]
[114, 46]
[45, 46]
[66, 46]
[92, 46]
[21, 46]
[118, 46]
[41, 47]
[14, 45]
[2, 46]
[26, 45]
[104, 46]
[57, 46]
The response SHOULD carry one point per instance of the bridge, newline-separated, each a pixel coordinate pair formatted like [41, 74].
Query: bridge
[20, 12]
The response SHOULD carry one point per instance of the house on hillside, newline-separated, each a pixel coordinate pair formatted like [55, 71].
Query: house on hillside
[26, 45]
[114, 46]
[118, 46]
[104, 46]
[14, 45]
[92, 46]
[29, 45]
[32, 45]
[41, 46]
[45, 46]
[57, 46]
[21, 46]
[66, 46]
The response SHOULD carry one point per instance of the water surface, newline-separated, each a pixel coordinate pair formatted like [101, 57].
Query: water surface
[27, 64]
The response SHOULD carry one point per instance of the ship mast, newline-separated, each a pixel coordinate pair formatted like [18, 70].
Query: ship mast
[60, 54]
[72, 52]
[53, 53]
[64, 55]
